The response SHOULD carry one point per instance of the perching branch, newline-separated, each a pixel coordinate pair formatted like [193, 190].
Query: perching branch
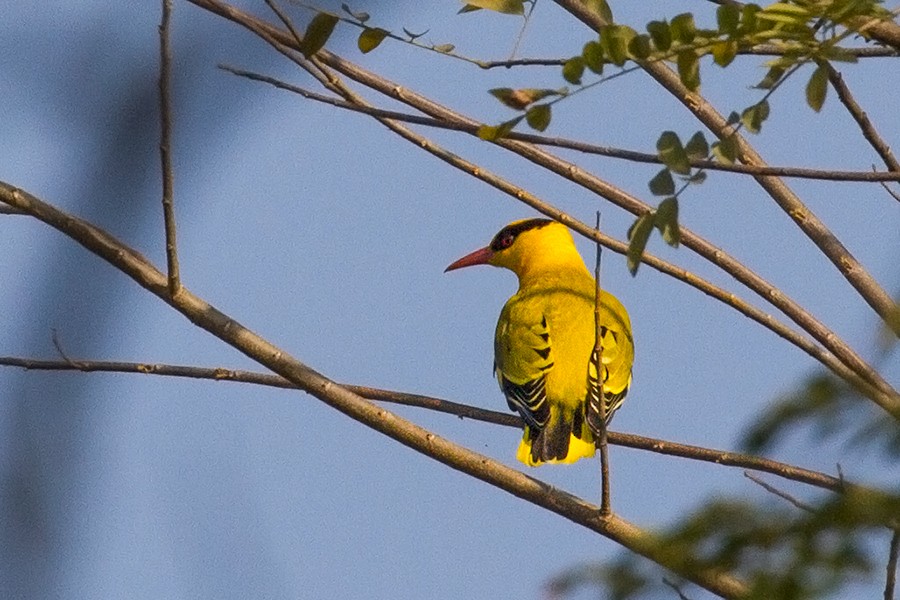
[165, 147]
[207, 317]
[855, 273]
[465, 411]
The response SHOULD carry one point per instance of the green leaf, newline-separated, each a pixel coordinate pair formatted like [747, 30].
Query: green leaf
[724, 51]
[639, 47]
[662, 183]
[683, 28]
[728, 16]
[573, 69]
[817, 88]
[519, 99]
[491, 133]
[734, 118]
[697, 148]
[754, 116]
[592, 53]
[666, 220]
[538, 116]
[615, 39]
[370, 38]
[467, 9]
[508, 7]
[317, 33]
[638, 234]
[362, 17]
[661, 34]
[672, 153]
[697, 178]
[599, 8]
[444, 48]
[689, 69]
[725, 150]
[772, 77]
[749, 22]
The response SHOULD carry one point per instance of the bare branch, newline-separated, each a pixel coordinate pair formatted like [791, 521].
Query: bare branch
[465, 411]
[586, 148]
[862, 119]
[207, 317]
[781, 494]
[893, 552]
[165, 146]
[603, 440]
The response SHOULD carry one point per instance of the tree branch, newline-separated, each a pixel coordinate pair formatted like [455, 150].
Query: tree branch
[855, 273]
[465, 411]
[165, 144]
[207, 317]
[887, 398]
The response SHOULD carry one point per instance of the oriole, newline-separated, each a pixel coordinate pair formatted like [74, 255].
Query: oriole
[544, 341]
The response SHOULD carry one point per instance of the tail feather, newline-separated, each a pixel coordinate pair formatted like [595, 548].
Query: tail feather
[558, 442]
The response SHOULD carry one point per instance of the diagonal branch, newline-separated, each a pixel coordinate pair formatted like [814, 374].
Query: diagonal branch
[207, 317]
[888, 399]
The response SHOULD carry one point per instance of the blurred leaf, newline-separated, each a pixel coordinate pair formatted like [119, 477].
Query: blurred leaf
[725, 150]
[689, 69]
[573, 69]
[467, 9]
[672, 153]
[614, 40]
[697, 148]
[592, 53]
[697, 178]
[317, 33]
[666, 220]
[661, 34]
[749, 22]
[733, 118]
[683, 28]
[772, 77]
[638, 234]
[491, 133]
[519, 99]
[662, 183]
[601, 9]
[444, 48]
[639, 47]
[538, 116]
[817, 88]
[724, 51]
[754, 116]
[362, 17]
[370, 38]
[728, 16]
[509, 7]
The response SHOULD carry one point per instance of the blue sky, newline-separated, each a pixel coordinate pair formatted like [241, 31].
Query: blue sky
[328, 235]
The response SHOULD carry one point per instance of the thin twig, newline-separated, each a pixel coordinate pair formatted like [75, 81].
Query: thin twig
[862, 119]
[463, 411]
[165, 148]
[603, 440]
[891, 578]
[886, 396]
[676, 588]
[228, 330]
[872, 176]
[781, 494]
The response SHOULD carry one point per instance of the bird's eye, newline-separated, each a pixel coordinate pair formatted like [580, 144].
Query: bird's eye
[505, 240]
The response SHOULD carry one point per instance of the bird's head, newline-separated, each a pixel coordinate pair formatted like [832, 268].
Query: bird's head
[525, 247]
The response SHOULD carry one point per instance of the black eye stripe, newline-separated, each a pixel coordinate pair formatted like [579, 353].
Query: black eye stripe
[509, 233]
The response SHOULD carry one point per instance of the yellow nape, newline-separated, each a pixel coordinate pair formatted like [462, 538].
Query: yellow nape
[578, 449]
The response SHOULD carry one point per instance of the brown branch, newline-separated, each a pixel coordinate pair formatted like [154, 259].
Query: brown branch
[886, 396]
[775, 491]
[165, 145]
[603, 438]
[559, 142]
[830, 246]
[207, 317]
[893, 552]
[464, 411]
[862, 119]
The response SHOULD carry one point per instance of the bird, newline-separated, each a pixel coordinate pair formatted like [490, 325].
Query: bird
[544, 356]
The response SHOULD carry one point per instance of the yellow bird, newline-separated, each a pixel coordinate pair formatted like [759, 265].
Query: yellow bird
[544, 342]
